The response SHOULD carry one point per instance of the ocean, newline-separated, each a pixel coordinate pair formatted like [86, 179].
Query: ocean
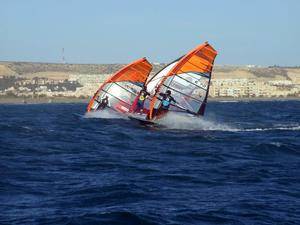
[239, 164]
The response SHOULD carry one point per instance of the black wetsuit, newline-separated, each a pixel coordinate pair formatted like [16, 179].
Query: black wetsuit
[103, 104]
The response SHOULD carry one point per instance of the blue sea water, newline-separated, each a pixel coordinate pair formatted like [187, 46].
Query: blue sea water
[240, 164]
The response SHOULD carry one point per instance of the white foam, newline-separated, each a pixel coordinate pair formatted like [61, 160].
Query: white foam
[105, 114]
[277, 144]
[272, 128]
[180, 121]
[186, 122]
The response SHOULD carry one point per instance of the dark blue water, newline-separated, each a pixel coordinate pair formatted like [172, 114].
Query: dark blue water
[243, 167]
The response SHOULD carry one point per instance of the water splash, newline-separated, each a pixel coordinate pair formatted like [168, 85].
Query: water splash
[188, 122]
[179, 121]
[105, 114]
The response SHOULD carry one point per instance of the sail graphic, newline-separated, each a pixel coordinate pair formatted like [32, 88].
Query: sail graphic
[188, 80]
[123, 87]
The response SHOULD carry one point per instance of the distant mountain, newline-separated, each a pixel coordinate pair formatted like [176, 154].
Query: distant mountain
[23, 68]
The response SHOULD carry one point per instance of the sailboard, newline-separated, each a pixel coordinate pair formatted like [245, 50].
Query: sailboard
[188, 78]
[140, 118]
[122, 88]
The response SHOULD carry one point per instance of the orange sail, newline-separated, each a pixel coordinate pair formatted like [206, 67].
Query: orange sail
[188, 80]
[122, 88]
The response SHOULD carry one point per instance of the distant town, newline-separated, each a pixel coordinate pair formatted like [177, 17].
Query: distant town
[24, 80]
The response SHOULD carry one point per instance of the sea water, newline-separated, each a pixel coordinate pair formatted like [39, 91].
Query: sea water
[239, 164]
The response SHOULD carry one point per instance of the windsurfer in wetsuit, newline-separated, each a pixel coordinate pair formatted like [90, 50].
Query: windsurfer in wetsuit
[165, 102]
[103, 104]
[141, 100]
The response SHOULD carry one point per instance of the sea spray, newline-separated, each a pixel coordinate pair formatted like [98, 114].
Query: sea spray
[180, 121]
[105, 114]
[188, 122]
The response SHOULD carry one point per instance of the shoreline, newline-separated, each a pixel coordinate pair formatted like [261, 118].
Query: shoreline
[45, 100]
[41, 100]
[229, 99]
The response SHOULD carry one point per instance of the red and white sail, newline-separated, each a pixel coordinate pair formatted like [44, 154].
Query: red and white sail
[123, 87]
[188, 79]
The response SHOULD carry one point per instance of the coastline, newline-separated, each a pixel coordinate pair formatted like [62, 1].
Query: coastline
[45, 100]
[255, 99]
[64, 83]
[41, 100]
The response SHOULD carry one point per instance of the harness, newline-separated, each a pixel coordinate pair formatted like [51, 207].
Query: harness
[166, 102]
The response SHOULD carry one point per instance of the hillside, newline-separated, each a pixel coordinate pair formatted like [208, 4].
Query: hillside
[52, 80]
[24, 68]
[29, 69]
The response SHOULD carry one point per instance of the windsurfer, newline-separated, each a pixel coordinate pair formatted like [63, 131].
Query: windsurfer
[103, 104]
[141, 100]
[165, 103]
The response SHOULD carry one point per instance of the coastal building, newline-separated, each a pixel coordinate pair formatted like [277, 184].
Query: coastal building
[233, 82]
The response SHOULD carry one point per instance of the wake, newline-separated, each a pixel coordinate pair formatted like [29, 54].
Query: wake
[272, 128]
[187, 122]
[178, 121]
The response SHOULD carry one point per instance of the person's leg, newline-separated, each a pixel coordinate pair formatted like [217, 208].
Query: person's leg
[142, 107]
[138, 107]
[161, 112]
[153, 113]
[100, 106]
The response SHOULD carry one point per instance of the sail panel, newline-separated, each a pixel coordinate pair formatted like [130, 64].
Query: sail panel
[137, 71]
[119, 98]
[188, 81]
[122, 87]
[188, 92]
[153, 82]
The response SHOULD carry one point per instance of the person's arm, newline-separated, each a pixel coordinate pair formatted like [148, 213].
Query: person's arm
[145, 90]
[107, 102]
[173, 100]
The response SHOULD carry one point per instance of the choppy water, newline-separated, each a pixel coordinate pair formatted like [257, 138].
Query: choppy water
[240, 165]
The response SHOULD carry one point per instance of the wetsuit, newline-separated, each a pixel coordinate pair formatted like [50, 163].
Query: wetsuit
[166, 101]
[165, 104]
[142, 97]
[103, 104]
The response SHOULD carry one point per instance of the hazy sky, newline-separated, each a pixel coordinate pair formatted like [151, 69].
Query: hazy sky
[262, 32]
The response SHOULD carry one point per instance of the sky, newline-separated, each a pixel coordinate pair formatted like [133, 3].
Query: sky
[256, 32]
